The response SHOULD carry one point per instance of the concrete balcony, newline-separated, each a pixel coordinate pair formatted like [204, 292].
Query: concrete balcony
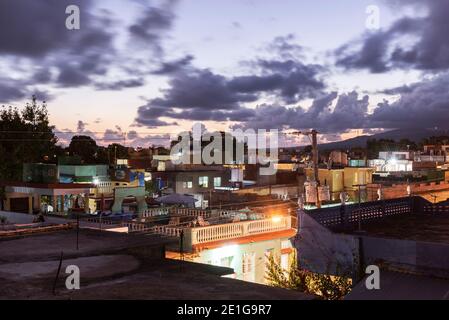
[235, 230]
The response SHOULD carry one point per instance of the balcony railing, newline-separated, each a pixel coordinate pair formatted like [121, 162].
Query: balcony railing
[191, 212]
[227, 231]
[155, 212]
[236, 230]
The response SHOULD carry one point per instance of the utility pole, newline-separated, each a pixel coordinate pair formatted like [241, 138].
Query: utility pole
[359, 211]
[315, 154]
[314, 135]
[210, 198]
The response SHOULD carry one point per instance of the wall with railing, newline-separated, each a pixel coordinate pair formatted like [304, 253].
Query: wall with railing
[165, 230]
[431, 208]
[137, 226]
[191, 212]
[155, 212]
[235, 230]
[348, 217]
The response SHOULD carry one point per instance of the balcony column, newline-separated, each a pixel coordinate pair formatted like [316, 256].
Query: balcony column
[30, 204]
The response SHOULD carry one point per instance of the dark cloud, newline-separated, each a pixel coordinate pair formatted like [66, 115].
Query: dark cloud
[71, 76]
[137, 140]
[34, 28]
[422, 105]
[113, 136]
[236, 25]
[11, 90]
[170, 67]
[292, 80]
[37, 28]
[81, 126]
[150, 28]
[42, 76]
[396, 48]
[285, 47]
[149, 117]
[121, 84]
[202, 95]
[350, 111]
[35, 31]
[132, 135]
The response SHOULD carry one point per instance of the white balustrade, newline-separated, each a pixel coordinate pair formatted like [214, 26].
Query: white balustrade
[167, 231]
[191, 212]
[238, 229]
[154, 212]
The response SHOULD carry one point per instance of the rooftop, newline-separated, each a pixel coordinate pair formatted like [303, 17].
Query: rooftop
[417, 227]
[399, 286]
[47, 185]
[116, 266]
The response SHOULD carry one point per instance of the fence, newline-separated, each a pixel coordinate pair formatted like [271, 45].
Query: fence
[435, 208]
[238, 229]
[137, 227]
[166, 230]
[103, 221]
[347, 217]
[191, 212]
[155, 212]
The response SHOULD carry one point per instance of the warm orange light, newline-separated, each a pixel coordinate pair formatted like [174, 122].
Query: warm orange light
[276, 219]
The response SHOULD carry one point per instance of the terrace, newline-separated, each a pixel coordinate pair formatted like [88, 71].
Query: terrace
[400, 236]
[116, 266]
[200, 227]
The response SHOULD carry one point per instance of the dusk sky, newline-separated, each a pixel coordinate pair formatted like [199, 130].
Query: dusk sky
[148, 68]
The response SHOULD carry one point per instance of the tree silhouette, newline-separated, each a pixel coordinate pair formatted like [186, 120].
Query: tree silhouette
[25, 136]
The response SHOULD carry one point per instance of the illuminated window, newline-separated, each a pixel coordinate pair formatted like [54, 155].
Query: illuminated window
[217, 182]
[187, 184]
[203, 182]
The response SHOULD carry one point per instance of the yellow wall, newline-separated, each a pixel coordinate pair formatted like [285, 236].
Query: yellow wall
[333, 178]
[355, 176]
[340, 179]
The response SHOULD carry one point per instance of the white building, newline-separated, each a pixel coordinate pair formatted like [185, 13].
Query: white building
[243, 246]
[392, 161]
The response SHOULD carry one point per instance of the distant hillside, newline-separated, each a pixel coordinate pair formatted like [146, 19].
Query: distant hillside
[412, 134]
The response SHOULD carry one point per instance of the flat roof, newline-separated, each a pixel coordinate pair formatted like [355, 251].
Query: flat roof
[401, 286]
[49, 245]
[56, 185]
[417, 227]
[117, 266]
